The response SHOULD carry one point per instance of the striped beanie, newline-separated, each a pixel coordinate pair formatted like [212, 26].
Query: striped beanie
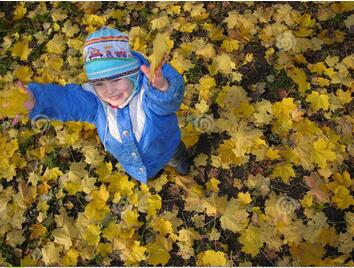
[107, 55]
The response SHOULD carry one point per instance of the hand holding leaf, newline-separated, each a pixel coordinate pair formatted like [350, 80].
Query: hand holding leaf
[161, 48]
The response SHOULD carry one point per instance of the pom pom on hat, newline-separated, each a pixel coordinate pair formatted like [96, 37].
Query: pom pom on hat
[107, 55]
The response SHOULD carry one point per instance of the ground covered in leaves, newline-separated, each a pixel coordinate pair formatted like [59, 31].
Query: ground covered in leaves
[267, 117]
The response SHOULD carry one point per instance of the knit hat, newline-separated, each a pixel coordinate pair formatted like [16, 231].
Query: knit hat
[107, 55]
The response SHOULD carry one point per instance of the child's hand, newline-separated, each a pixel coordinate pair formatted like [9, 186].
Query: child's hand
[159, 81]
[31, 100]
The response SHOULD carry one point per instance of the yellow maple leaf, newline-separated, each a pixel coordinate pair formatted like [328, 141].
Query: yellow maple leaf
[281, 110]
[154, 205]
[250, 238]
[158, 251]
[272, 154]
[344, 96]
[62, 237]
[299, 77]
[342, 197]
[160, 23]
[223, 64]
[26, 261]
[92, 234]
[21, 50]
[57, 44]
[285, 171]
[308, 253]
[100, 196]
[244, 198]
[104, 249]
[318, 101]
[24, 73]
[230, 45]
[130, 217]
[180, 63]
[211, 258]
[212, 185]
[322, 152]
[37, 230]
[69, 29]
[92, 155]
[51, 253]
[20, 11]
[15, 237]
[235, 217]
[58, 14]
[70, 258]
[161, 48]
[12, 102]
[206, 51]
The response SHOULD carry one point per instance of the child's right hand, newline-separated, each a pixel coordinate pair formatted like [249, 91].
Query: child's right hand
[29, 104]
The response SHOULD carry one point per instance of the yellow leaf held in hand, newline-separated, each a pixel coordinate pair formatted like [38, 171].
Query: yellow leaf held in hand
[161, 48]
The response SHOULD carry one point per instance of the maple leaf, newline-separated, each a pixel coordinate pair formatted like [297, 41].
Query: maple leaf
[342, 197]
[212, 185]
[70, 258]
[318, 101]
[206, 51]
[92, 234]
[250, 238]
[235, 217]
[51, 253]
[308, 254]
[57, 44]
[158, 251]
[322, 152]
[211, 258]
[161, 48]
[24, 73]
[316, 184]
[21, 50]
[285, 171]
[244, 198]
[223, 64]
[20, 11]
[299, 77]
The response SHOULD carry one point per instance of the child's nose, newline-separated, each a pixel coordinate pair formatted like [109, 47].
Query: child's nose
[109, 89]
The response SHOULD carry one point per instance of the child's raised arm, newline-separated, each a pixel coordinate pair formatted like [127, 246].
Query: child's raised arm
[167, 90]
[64, 103]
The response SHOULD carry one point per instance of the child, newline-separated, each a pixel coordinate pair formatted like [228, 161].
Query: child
[136, 121]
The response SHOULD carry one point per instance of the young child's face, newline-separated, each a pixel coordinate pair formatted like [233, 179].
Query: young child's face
[115, 91]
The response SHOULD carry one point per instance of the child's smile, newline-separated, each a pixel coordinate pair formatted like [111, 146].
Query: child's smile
[115, 92]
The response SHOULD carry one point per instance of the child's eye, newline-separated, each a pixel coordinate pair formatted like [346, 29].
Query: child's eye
[98, 84]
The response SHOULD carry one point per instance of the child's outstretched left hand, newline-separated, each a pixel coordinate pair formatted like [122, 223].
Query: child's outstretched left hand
[159, 81]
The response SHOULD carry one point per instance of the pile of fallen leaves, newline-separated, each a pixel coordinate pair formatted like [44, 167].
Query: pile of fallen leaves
[267, 117]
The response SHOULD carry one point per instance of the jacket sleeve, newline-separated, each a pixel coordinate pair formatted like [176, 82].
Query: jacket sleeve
[167, 102]
[63, 103]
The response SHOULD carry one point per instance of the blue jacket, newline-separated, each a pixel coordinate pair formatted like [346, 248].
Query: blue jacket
[142, 136]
